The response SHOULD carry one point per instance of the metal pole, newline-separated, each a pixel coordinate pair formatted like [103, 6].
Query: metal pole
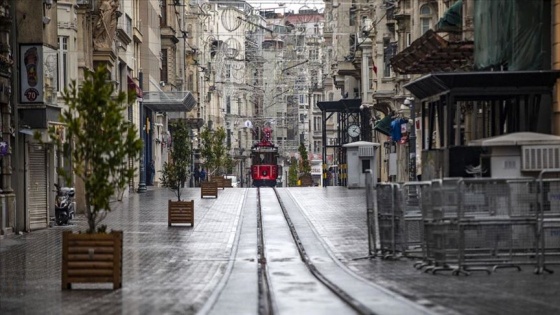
[241, 171]
[370, 215]
[412, 142]
[192, 183]
[142, 167]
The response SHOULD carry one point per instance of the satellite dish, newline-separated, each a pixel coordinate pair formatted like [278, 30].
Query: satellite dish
[248, 124]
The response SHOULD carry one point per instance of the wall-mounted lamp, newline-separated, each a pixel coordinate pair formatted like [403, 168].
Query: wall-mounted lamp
[48, 3]
[46, 20]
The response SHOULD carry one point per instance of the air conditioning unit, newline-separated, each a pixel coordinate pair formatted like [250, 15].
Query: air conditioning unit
[538, 158]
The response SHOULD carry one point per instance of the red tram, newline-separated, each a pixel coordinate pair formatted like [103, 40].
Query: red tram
[264, 161]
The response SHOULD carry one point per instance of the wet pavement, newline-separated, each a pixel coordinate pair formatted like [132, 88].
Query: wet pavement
[175, 270]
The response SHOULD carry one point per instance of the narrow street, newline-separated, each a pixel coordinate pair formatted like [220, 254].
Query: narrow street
[213, 267]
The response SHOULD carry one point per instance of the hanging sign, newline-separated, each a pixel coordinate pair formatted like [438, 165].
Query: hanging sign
[31, 65]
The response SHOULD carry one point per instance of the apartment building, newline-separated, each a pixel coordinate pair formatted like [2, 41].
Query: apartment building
[62, 40]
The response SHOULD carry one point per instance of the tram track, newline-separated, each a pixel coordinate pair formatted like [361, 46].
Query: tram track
[265, 299]
[266, 302]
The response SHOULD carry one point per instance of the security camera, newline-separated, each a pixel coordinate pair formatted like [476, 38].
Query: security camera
[162, 83]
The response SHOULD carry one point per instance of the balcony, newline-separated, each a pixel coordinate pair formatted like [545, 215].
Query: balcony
[124, 29]
[136, 31]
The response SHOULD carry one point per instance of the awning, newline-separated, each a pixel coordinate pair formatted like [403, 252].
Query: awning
[133, 86]
[483, 84]
[169, 101]
[517, 139]
[452, 20]
[432, 53]
[384, 125]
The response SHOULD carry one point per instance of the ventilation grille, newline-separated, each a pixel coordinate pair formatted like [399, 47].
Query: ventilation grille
[538, 158]
[365, 151]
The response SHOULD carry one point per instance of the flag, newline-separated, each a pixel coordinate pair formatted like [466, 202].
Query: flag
[373, 66]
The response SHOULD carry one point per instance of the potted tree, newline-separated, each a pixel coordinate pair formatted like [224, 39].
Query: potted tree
[214, 152]
[98, 141]
[304, 167]
[175, 173]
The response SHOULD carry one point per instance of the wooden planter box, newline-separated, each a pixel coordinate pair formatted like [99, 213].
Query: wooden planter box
[227, 182]
[92, 258]
[180, 212]
[208, 189]
[219, 181]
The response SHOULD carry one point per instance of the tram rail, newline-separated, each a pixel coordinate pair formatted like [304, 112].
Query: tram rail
[266, 303]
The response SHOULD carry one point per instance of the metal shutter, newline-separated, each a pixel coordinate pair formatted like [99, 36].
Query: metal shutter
[37, 188]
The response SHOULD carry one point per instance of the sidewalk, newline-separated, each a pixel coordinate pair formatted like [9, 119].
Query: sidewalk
[174, 270]
[165, 270]
[339, 216]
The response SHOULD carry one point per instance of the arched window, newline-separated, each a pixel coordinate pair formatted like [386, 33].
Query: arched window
[426, 10]
[425, 18]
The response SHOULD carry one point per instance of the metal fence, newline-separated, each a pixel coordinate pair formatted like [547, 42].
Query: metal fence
[471, 224]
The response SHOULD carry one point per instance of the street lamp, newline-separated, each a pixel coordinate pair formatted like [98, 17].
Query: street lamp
[409, 102]
[142, 167]
[191, 177]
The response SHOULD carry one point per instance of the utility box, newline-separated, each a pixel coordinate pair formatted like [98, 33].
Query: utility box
[360, 157]
[519, 154]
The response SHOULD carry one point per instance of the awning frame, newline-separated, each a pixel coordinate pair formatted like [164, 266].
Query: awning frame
[169, 101]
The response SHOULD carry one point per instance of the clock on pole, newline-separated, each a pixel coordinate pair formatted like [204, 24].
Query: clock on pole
[353, 131]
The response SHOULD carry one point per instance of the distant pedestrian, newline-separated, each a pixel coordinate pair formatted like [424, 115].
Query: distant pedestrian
[196, 176]
[202, 175]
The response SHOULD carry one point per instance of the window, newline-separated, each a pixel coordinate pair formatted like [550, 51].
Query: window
[302, 99]
[190, 83]
[228, 138]
[317, 123]
[62, 69]
[163, 21]
[314, 54]
[163, 74]
[228, 71]
[365, 165]
[425, 10]
[425, 18]
[352, 15]
[388, 50]
[228, 105]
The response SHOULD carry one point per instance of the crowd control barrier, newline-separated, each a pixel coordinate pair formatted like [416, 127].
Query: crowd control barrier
[464, 225]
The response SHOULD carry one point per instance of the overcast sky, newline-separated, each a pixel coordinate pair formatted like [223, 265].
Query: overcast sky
[293, 5]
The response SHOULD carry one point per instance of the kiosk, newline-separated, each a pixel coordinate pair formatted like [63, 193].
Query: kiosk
[361, 156]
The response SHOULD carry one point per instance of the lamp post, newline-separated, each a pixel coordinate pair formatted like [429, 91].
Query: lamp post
[191, 180]
[142, 167]
[409, 102]
[241, 165]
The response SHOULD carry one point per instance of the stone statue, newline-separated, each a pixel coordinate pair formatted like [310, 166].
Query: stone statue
[105, 25]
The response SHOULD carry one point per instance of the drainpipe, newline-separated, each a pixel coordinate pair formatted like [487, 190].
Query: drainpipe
[142, 167]
[556, 66]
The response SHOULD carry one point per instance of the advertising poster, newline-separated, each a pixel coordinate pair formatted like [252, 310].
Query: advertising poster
[31, 62]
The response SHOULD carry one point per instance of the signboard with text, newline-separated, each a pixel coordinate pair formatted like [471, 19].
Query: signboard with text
[31, 65]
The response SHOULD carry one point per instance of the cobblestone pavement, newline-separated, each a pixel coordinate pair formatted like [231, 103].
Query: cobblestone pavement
[174, 270]
[165, 270]
[338, 214]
